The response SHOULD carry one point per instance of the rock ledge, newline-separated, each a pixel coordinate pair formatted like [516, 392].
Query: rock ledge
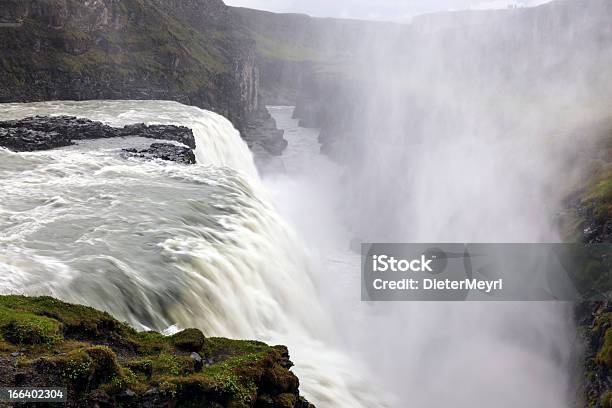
[45, 133]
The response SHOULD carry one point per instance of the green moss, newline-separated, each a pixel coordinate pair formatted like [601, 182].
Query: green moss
[26, 329]
[75, 366]
[286, 400]
[151, 342]
[97, 364]
[233, 378]
[126, 379]
[138, 361]
[86, 321]
[603, 321]
[104, 362]
[166, 364]
[598, 195]
[141, 366]
[229, 387]
[168, 388]
[222, 346]
[189, 340]
[604, 355]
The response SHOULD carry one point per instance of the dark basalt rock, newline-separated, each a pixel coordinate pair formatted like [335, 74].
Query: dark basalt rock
[198, 363]
[164, 151]
[261, 133]
[25, 140]
[166, 132]
[44, 133]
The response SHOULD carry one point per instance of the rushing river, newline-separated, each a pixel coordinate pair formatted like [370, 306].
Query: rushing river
[163, 245]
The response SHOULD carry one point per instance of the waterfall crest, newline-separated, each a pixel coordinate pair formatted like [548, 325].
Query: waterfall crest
[161, 245]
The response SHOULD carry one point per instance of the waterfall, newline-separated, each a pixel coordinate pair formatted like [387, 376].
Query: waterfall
[164, 245]
[429, 354]
[217, 141]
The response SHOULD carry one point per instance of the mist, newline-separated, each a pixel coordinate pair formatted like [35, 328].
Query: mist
[377, 10]
[460, 128]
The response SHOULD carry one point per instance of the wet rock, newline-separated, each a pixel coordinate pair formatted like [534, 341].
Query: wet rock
[44, 132]
[278, 380]
[25, 140]
[166, 132]
[127, 394]
[164, 151]
[261, 132]
[303, 403]
[284, 360]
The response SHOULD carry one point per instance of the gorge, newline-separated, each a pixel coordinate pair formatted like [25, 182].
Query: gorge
[475, 126]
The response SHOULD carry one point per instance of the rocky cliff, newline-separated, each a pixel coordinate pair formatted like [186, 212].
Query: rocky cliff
[133, 49]
[564, 48]
[587, 217]
[190, 51]
[291, 47]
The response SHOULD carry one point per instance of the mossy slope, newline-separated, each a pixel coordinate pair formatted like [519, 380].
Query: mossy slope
[103, 362]
[588, 219]
[186, 51]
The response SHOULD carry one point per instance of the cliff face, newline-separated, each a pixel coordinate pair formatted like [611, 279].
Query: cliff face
[497, 65]
[587, 218]
[189, 51]
[198, 52]
[291, 47]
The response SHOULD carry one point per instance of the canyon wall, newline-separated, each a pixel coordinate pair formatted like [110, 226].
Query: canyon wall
[190, 51]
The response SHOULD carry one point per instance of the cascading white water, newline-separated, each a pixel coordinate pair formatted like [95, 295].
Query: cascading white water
[428, 354]
[217, 142]
[160, 244]
[461, 134]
